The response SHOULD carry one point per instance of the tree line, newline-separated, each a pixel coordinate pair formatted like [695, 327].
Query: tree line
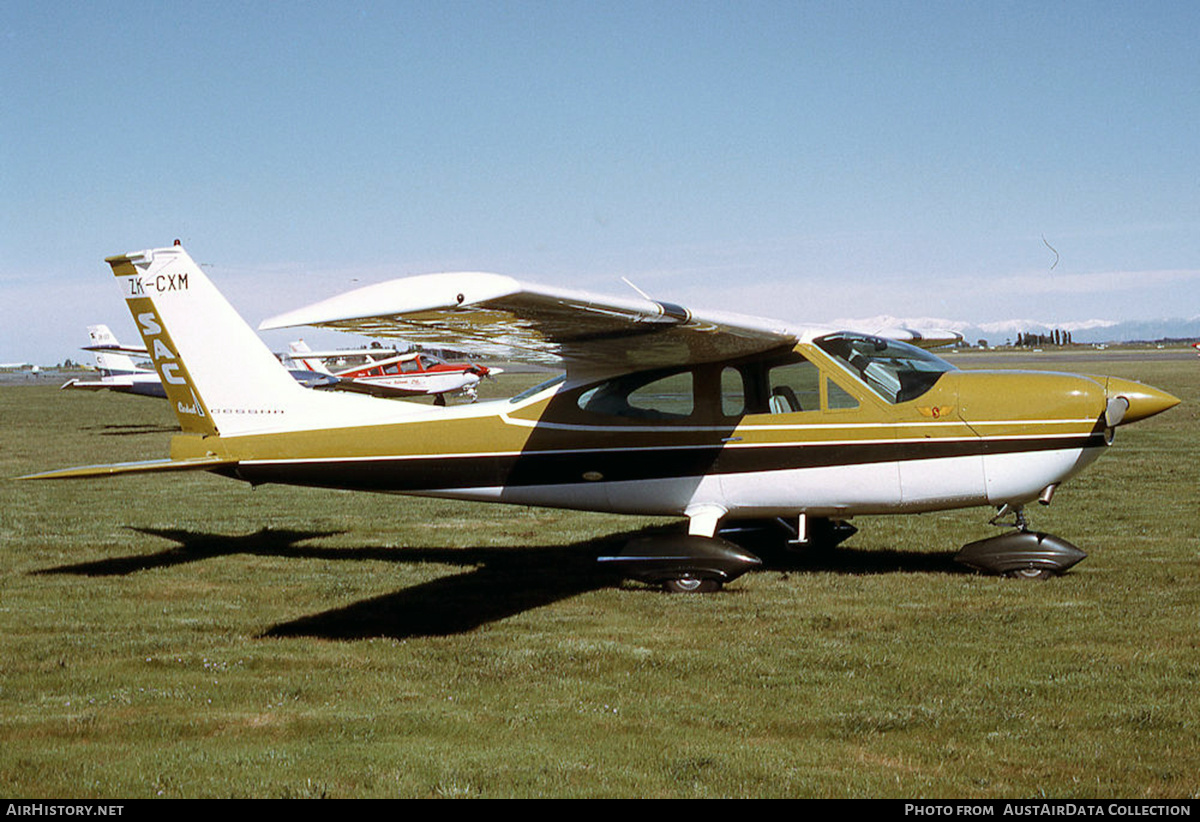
[1055, 337]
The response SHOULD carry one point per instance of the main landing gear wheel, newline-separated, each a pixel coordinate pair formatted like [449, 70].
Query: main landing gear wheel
[682, 563]
[690, 585]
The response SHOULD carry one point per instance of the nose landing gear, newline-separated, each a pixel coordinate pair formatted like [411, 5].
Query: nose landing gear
[1021, 553]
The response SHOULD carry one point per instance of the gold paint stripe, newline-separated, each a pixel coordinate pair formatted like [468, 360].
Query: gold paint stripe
[122, 266]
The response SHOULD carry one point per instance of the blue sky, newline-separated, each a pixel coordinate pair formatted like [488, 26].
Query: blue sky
[801, 160]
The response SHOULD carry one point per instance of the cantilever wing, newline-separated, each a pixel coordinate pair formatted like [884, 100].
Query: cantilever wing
[498, 316]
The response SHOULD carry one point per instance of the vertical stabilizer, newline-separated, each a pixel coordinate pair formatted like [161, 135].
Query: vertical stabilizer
[299, 350]
[112, 362]
[218, 375]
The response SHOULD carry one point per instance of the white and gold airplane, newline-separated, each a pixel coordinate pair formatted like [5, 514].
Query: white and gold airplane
[718, 418]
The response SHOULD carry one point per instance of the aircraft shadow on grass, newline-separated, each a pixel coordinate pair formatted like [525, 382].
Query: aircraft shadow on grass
[501, 581]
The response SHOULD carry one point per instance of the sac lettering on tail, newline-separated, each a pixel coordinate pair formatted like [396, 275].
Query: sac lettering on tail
[193, 416]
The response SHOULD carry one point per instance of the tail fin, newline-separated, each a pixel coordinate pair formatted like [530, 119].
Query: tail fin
[109, 362]
[218, 375]
[298, 349]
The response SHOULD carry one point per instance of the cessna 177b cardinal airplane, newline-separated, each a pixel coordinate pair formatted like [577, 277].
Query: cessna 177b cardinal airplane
[714, 417]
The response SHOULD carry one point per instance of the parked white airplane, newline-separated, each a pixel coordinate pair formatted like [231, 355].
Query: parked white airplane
[118, 371]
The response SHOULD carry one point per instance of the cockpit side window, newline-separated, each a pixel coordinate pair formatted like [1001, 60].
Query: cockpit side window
[896, 371]
[794, 387]
[838, 398]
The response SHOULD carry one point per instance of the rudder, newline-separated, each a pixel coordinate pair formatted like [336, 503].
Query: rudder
[109, 362]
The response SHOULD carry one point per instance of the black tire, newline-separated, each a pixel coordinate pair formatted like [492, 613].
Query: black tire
[1030, 573]
[690, 585]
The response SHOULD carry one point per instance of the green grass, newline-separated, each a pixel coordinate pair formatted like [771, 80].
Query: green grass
[188, 636]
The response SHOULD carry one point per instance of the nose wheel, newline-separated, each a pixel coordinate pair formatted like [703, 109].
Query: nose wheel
[691, 585]
[1021, 553]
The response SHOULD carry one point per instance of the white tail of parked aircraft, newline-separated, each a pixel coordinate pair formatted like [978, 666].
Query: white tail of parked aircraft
[302, 355]
[110, 358]
[118, 371]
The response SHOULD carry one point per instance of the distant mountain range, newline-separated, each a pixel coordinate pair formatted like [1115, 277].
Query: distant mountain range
[1088, 331]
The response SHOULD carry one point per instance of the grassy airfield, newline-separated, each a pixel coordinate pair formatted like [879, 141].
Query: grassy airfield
[188, 636]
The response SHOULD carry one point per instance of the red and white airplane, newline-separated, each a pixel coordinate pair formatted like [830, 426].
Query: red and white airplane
[388, 374]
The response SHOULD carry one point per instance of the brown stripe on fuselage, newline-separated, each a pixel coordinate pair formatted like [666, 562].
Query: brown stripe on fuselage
[532, 468]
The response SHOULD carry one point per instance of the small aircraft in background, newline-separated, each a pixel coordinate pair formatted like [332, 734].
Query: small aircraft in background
[388, 373]
[722, 419]
[118, 371]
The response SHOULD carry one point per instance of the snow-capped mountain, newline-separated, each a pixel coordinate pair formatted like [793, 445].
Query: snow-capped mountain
[1000, 332]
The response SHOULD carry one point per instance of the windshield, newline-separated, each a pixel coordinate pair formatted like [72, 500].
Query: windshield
[896, 371]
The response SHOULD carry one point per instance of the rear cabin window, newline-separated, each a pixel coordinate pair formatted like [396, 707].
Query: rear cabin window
[643, 397]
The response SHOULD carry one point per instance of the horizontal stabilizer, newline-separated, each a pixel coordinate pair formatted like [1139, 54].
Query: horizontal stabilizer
[146, 467]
